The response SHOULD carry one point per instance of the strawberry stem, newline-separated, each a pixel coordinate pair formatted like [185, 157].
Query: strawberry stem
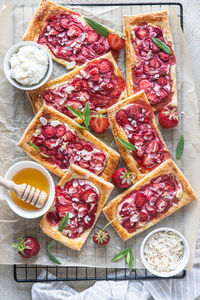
[104, 228]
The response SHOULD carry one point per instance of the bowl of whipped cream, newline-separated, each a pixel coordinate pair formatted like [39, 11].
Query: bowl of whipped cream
[165, 252]
[27, 65]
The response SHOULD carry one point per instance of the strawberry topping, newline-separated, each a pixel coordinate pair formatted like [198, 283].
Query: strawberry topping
[80, 198]
[96, 83]
[147, 203]
[136, 120]
[70, 38]
[153, 68]
[63, 147]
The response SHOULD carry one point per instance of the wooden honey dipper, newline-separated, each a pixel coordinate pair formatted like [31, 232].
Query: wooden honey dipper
[25, 192]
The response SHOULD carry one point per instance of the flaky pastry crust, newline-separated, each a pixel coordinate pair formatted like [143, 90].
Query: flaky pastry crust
[105, 188]
[118, 131]
[168, 167]
[51, 114]
[159, 19]
[35, 96]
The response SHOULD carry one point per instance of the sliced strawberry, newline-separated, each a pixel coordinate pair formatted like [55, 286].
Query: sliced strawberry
[139, 69]
[93, 36]
[49, 131]
[50, 143]
[142, 32]
[148, 161]
[88, 147]
[49, 96]
[161, 204]
[144, 84]
[70, 137]
[127, 224]
[53, 218]
[151, 210]
[152, 97]
[89, 196]
[60, 130]
[99, 123]
[164, 56]
[59, 156]
[163, 93]
[64, 23]
[140, 199]
[143, 216]
[78, 146]
[116, 41]
[105, 66]
[94, 74]
[64, 200]
[153, 146]
[74, 30]
[42, 40]
[158, 32]
[39, 140]
[98, 48]
[62, 210]
[162, 80]
[154, 63]
[154, 48]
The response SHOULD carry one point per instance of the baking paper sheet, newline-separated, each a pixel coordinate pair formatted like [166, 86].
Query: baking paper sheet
[16, 113]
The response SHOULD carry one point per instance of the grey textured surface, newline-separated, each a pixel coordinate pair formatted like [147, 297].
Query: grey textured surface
[12, 290]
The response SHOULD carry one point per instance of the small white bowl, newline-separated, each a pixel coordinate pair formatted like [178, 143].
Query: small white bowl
[181, 265]
[6, 66]
[18, 210]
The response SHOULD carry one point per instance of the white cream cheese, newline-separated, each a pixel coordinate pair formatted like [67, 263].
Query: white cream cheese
[164, 251]
[29, 65]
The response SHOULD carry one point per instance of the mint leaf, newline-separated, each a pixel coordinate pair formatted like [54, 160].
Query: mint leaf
[87, 115]
[36, 148]
[127, 253]
[180, 147]
[126, 144]
[100, 29]
[162, 45]
[50, 255]
[120, 255]
[63, 223]
[73, 111]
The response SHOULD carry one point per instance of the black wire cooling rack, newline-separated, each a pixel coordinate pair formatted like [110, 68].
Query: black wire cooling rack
[32, 273]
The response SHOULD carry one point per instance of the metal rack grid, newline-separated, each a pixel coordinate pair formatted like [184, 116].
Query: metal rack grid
[31, 273]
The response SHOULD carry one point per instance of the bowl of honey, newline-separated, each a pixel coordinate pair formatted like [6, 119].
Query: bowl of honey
[35, 175]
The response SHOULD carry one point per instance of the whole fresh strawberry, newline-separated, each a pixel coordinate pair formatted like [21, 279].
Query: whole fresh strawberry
[168, 118]
[102, 236]
[99, 123]
[27, 247]
[122, 178]
[116, 41]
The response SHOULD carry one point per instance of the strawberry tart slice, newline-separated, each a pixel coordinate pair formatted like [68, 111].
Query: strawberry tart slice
[150, 58]
[153, 198]
[66, 35]
[133, 121]
[99, 82]
[55, 141]
[82, 195]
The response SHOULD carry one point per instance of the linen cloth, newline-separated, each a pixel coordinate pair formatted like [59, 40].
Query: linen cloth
[187, 288]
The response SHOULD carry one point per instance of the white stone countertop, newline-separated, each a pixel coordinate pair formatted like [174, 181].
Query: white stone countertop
[9, 289]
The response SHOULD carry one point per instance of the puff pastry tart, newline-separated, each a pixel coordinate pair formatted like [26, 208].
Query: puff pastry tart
[65, 34]
[156, 196]
[98, 82]
[55, 141]
[133, 120]
[83, 195]
[148, 67]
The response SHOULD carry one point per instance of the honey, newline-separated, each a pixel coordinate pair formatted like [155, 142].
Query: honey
[34, 178]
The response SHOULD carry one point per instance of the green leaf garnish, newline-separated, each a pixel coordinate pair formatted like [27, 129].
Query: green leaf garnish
[36, 148]
[63, 223]
[126, 144]
[85, 115]
[128, 254]
[180, 147]
[50, 255]
[162, 45]
[100, 29]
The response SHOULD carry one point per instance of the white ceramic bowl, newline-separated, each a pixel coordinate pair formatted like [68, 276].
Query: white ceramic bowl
[18, 210]
[181, 265]
[6, 66]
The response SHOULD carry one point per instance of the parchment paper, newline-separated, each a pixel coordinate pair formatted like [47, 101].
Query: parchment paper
[16, 113]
